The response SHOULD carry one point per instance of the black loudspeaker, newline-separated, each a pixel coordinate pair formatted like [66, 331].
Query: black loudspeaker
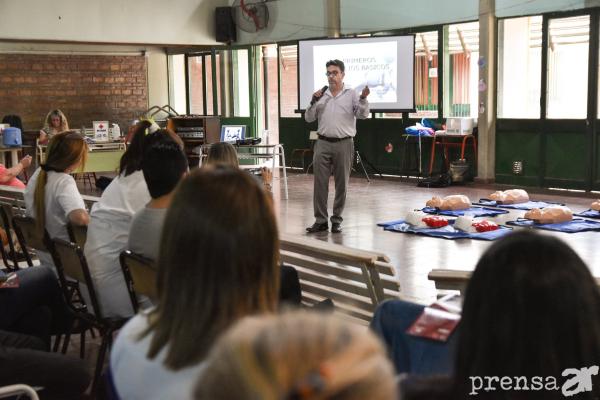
[224, 26]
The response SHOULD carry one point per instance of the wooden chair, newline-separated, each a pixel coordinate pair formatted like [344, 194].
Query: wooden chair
[71, 263]
[140, 276]
[356, 280]
[6, 213]
[30, 237]
[77, 233]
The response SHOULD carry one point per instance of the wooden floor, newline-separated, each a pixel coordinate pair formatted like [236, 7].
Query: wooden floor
[413, 256]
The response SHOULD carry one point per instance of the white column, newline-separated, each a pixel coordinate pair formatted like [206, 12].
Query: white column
[487, 99]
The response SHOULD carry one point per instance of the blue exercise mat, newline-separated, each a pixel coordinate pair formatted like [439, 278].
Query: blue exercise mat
[530, 205]
[589, 214]
[446, 232]
[473, 211]
[573, 226]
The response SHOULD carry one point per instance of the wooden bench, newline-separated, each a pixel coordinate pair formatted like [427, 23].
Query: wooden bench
[356, 280]
[448, 279]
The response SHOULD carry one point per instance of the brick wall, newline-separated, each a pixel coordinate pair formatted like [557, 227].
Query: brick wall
[86, 88]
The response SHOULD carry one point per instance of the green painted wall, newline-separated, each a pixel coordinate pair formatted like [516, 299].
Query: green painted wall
[372, 137]
[554, 153]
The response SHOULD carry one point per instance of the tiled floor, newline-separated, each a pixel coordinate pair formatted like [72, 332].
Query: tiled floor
[413, 256]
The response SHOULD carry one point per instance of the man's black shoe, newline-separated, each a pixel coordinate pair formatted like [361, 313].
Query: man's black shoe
[336, 228]
[316, 227]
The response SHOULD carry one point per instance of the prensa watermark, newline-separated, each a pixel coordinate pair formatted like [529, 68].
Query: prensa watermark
[578, 381]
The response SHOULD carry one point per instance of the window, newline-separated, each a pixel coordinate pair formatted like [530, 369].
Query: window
[568, 48]
[288, 67]
[426, 75]
[461, 49]
[519, 67]
[241, 83]
[195, 68]
[177, 95]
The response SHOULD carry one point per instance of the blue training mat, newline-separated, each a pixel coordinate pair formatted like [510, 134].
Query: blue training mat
[447, 232]
[573, 226]
[530, 205]
[473, 211]
[589, 214]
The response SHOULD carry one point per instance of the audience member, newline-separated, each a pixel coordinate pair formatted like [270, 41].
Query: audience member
[224, 153]
[530, 310]
[8, 176]
[24, 359]
[163, 166]
[110, 222]
[297, 356]
[55, 122]
[36, 307]
[217, 263]
[51, 195]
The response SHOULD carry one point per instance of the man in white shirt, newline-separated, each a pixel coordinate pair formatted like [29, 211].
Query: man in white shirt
[336, 109]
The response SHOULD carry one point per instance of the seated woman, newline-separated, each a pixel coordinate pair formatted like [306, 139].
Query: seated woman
[51, 195]
[217, 263]
[55, 122]
[110, 221]
[224, 153]
[531, 310]
[8, 176]
[297, 356]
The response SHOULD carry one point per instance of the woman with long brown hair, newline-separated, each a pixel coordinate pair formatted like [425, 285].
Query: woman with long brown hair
[217, 263]
[51, 195]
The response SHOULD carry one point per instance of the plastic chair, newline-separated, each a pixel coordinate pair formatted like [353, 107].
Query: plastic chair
[140, 276]
[6, 213]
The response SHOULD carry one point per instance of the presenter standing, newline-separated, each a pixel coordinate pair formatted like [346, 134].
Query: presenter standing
[336, 108]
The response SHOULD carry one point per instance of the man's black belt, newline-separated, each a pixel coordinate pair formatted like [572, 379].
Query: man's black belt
[333, 140]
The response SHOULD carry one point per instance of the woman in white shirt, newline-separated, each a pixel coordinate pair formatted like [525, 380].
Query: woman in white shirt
[110, 222]
[51, 195]
[217, 263]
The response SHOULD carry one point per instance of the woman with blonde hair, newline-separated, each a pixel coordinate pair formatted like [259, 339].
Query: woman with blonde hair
[55, 122]
[224, 153]
[297, 355]
[217, 263]
[51, 195]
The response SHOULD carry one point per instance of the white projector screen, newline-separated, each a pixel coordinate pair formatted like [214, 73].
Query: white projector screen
[385, 64]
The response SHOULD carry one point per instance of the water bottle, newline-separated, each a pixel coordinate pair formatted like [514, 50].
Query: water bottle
[116, 131]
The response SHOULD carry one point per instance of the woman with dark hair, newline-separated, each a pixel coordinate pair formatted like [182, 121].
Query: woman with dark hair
[110, 221]
[531, 311]
[51, 195]
[217, 263]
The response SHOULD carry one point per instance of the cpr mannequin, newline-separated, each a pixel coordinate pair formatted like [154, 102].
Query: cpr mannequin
[595, 205]
[550, 215]
[512, 196]
[453, 202]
